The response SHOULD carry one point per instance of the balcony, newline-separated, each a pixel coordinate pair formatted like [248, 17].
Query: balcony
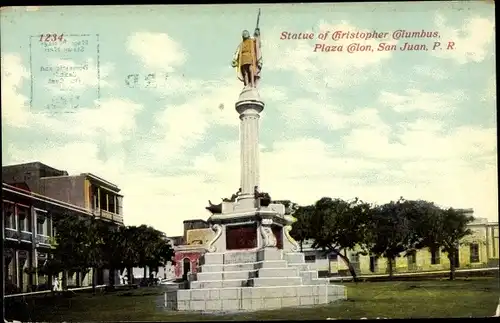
[19, 235]
[11, 234]
[43, 239]
[26, 236]
[110, 216]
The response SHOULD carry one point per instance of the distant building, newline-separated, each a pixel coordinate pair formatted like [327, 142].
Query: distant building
[33, 194]
[194, 224]
[187, 255]
[177, 240]
[86, 190]
[480, 250]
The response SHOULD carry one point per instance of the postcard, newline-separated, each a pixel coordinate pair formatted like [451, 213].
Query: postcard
[251, 157]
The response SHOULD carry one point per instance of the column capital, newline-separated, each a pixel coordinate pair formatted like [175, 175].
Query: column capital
[249, 102]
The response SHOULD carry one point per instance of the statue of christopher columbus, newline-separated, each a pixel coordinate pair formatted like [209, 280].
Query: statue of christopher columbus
[247, 59]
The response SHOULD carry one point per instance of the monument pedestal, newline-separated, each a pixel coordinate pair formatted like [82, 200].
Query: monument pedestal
[252, 262]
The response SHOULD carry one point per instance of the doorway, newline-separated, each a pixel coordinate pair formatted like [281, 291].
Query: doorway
[186, 265]
[457, 258]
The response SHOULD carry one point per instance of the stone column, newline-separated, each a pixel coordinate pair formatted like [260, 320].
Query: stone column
[34, 253]
[487, 242]
[249, 106]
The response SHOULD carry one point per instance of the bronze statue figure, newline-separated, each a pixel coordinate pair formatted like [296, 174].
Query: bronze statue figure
[263, 198]
[233, 197]
[247, 58]
[214, 208]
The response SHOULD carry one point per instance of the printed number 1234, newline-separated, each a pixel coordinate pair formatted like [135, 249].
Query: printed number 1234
[51, 37]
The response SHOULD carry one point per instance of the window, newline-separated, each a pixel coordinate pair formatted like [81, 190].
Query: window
[41, 227]
[94, 197]
[321, 256]
[111, 201]
[373, 263]
[8, 215]
[457, 258]
[435, 256]
[23, 218]
[310, 258]
[474, 252]
[412, 259]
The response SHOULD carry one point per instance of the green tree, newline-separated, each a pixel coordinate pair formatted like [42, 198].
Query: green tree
[338, 225]
[95, 246]
[145, 247]
[391, 230]
[80, 244]
[162, 251]
[126, 238]
[71, 247]
[112, 255]
[301, 228]
[444, 229]
[290, 207]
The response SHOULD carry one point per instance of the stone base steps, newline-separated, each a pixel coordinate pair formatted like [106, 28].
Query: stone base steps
[219, 283]
[257, 282]
[224, 275]
[252, 298]
[294, 257]
[243, 266]
[260, 268]
[276, 281]
[248, 274]
[301, 267]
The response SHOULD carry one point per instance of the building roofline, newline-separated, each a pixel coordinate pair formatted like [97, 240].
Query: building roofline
[62, 176]
[43, 198]
[194, 220]
[181, 248]
[37, 163]
[101, 180]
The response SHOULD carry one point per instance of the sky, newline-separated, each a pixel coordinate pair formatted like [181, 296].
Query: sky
[377, 125]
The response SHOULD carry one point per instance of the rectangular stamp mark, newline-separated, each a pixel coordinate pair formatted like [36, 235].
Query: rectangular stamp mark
[65, 72]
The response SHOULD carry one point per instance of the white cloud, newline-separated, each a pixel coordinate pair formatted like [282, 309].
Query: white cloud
[419, 160]
[183, 126]
[14, 107]
[489, 93]
[302, 170]
[432, 72]
[417, 100]
[423, 140]
[156, 50]
[472, 39]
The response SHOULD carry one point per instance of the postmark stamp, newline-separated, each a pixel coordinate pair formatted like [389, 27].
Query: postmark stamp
[146, 81]
[65, 72]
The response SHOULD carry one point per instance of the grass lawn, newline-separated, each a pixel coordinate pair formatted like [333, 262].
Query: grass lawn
[476, 297]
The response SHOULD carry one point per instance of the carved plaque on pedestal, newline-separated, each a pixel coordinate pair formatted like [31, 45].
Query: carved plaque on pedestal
[241, 236]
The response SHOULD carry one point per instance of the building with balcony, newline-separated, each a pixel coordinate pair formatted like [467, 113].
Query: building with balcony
[29, 235]
[33, 195]
[86, 190]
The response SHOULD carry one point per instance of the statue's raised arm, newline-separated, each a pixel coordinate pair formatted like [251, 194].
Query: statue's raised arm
[248, 59]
